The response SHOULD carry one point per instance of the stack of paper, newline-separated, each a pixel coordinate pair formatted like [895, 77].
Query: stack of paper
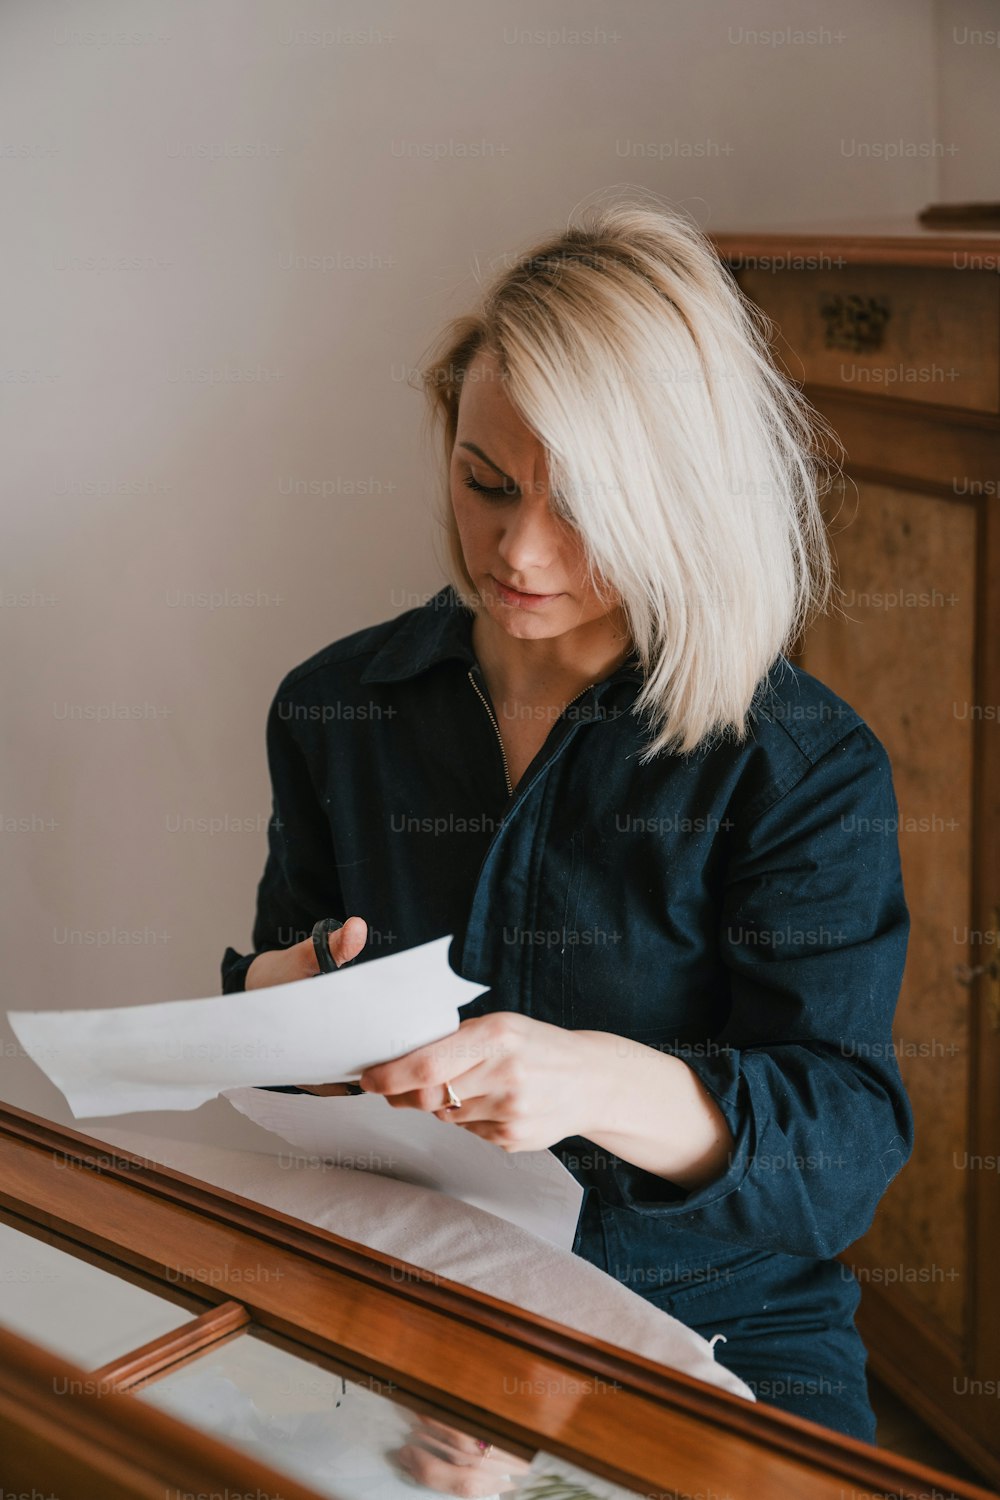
[530, 1188]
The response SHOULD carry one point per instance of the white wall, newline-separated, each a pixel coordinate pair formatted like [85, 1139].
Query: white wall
[967, 71]
[208, 141]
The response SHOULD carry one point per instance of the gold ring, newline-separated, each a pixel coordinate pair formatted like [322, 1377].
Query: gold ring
[454, 1102]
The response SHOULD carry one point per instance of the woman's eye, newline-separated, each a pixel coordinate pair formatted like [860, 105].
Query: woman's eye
[499, 493]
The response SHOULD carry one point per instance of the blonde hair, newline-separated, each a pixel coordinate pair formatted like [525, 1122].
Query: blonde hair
[689, 465]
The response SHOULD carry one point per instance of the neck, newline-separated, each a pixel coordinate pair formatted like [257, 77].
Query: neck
[555, 667]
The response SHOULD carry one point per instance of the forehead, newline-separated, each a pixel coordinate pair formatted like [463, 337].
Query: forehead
[484, 409]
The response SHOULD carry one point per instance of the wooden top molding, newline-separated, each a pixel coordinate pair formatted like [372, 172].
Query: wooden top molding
[884, 241]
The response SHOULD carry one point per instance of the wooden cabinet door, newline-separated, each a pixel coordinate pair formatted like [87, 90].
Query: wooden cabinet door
[913, 646]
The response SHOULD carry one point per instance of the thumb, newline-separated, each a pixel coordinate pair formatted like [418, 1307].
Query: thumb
[347, 942]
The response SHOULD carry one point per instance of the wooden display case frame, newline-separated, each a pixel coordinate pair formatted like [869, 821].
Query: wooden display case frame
[524, 1381]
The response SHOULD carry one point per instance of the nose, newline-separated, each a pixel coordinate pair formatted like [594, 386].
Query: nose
[529, 542]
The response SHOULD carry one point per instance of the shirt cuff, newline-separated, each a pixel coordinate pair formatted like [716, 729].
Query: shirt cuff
[648, 1193]
[234, 971]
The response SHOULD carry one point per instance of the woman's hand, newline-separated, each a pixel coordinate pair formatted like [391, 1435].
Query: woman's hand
[527, 1085]
[444, 1459]
[523, 1083]
[282, 965]
[299, 962]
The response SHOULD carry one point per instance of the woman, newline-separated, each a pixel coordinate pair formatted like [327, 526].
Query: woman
[588, 758]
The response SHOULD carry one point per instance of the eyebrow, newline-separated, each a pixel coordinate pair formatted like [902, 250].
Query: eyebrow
[486, 460]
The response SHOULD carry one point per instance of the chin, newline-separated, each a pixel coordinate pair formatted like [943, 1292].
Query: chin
[525, 624]
[529, 630]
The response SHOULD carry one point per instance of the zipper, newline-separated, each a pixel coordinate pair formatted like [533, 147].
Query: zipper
[485, 702]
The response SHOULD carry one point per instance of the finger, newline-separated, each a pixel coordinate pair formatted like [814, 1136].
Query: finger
[468, 1480]
[503, 1133]
[434, 1064]
[466, 1445]
[347, 942]
[443, 1429]
[491, 1463]
[443, 1447]
[476, 1108]
[422, 1070]
[435, 1099]
[494, 1464]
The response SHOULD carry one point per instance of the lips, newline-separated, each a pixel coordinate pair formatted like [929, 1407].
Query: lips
[507, 591]
[528, 593]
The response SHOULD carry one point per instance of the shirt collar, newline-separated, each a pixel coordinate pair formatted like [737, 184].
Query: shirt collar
[436, 631]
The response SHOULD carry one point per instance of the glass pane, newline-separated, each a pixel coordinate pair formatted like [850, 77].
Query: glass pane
[72, 1308]
[343, 1438]
[551, 1478]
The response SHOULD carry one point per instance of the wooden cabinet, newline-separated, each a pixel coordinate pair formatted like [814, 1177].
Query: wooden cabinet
[894, 333]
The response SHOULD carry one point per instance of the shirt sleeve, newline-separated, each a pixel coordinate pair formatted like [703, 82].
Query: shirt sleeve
[300, 882]
[814, 929]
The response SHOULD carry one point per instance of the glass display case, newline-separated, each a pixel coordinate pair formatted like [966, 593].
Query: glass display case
[162, 1335]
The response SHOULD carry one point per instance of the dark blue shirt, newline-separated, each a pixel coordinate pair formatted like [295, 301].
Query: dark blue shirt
[740, 906]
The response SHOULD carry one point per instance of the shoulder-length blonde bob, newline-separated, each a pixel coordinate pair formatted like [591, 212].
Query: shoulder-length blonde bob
[689, 465]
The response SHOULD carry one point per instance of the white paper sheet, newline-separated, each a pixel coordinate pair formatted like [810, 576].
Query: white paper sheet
[178, 1054]
[530, 1188]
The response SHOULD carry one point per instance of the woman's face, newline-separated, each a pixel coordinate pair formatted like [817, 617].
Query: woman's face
[526, 563]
